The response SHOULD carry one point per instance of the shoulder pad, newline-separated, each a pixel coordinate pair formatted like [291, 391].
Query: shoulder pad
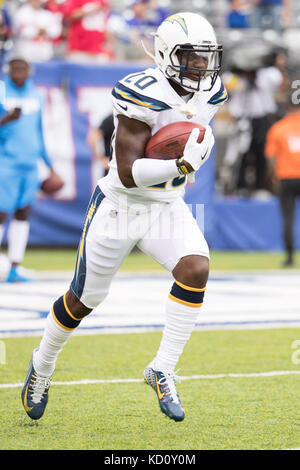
[141, 89]
[219, 93]
[123, 93]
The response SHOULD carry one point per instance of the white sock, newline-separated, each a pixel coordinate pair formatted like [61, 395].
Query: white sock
[180, 322]
[17, 237]
[54, 338]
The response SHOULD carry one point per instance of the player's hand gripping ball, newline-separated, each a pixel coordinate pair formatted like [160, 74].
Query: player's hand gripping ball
[52, 184]
[169, 142]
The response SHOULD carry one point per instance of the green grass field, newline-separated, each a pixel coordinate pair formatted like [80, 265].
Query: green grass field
[259, 412]
[226, 413]
[64, 259]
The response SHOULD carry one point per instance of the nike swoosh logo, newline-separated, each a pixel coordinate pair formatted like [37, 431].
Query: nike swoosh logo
[25, 400]
[160, 395]
[123, 107]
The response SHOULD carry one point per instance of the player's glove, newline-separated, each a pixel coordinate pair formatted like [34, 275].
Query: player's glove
[196, 154]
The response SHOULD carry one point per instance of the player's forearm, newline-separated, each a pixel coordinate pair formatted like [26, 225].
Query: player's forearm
[12, 115]
[80, 13]
[76, 15]
[147, 172]
[5, 120]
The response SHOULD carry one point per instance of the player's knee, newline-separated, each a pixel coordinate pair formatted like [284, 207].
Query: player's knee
[192, 271]
[3, 216]
[76, 307]
[22, 214]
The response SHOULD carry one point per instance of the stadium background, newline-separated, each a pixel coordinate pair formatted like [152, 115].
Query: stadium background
[73, 93]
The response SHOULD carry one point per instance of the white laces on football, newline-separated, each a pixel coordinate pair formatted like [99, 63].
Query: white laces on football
[39, 387]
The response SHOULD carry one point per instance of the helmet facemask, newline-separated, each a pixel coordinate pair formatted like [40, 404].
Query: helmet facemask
[188, 76]
[178, 42]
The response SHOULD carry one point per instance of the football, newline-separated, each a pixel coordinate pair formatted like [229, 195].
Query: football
[169, 142]
[52, 184]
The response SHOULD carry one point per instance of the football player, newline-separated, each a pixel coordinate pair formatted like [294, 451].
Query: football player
[130, 206]
[21, 146]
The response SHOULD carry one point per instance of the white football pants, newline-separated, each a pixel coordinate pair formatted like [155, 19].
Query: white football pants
[165, 231]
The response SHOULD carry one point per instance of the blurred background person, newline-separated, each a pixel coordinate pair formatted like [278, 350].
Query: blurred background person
[134, 25]
[283, 150]
[272, 14]
[158, 13]
[136, 19]
[100, 141]
[34, 31]
[88, 38]
[239, 15]
[5, 31]
[254, 109]
[5, 22]
[56, 7]
[21, 145]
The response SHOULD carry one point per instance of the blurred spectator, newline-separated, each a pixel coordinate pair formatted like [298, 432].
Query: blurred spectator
[137, 20]
[100, 142]
[21, 146]
[145, 14]
[88, 38]
[135, 24]
[35, 29]
[239, 15]
[5, 30]
[272, 14]
[5, 23]
[57, 8]
[157, 14]
[253, 106]
[283, 149]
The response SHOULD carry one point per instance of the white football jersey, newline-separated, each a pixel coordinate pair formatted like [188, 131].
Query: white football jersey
[148, 96]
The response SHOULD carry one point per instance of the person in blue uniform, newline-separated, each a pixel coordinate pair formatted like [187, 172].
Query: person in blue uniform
[272, 14]
[21, 145]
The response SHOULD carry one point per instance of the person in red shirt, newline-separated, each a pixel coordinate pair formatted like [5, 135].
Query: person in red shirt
[57, 8]
[283, 147]
[88, 38]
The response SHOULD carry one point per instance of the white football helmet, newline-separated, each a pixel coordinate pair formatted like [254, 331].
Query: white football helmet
[179, 38]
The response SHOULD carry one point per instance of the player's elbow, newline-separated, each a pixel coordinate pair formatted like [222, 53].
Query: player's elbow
[125, 175]
[128, 182]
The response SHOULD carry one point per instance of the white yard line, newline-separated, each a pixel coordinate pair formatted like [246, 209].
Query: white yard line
[191, 377]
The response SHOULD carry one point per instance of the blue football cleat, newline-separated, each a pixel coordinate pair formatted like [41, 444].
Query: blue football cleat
[35, 392]
[15, 276]
[164, 385]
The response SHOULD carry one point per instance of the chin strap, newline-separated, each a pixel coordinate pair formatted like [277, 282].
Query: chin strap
[146, 50]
